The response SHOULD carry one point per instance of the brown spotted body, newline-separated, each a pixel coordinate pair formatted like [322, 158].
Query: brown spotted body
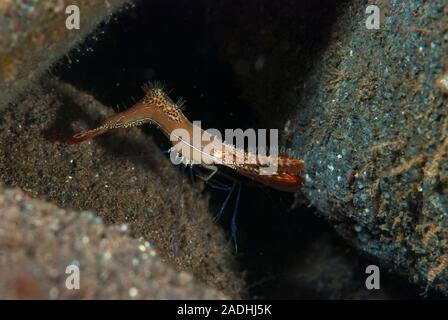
[157, 108]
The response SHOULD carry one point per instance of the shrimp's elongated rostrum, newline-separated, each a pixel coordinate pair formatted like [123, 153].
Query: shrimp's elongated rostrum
[157, 108]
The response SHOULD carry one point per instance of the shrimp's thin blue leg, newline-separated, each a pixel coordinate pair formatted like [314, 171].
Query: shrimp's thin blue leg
[224, 205]
[233, 227]
[218, 185]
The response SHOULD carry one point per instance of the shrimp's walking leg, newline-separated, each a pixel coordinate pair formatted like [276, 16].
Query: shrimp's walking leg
[233, 227]
[213, 170]
[224, 205]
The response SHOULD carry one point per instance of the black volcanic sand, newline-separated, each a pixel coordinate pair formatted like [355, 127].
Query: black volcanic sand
[39, 240]
[110, 177]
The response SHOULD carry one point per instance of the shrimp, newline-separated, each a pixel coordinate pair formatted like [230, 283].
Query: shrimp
[157, 108]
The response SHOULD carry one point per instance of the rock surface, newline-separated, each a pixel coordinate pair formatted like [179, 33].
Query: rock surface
[33, 36]
[38, 241]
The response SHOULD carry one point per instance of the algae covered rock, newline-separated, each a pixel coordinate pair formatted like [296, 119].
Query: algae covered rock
[376, 140]
[366, 110]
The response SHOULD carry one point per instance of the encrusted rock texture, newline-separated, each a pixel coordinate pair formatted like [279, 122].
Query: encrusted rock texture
[33, 36]
[110, 177]
[362, 108]
[38, 241]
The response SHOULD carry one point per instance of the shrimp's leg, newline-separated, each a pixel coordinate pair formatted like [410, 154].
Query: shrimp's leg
[224, 205]
[215, 184]
[221, 186]
[233, 227]
[213, 170]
